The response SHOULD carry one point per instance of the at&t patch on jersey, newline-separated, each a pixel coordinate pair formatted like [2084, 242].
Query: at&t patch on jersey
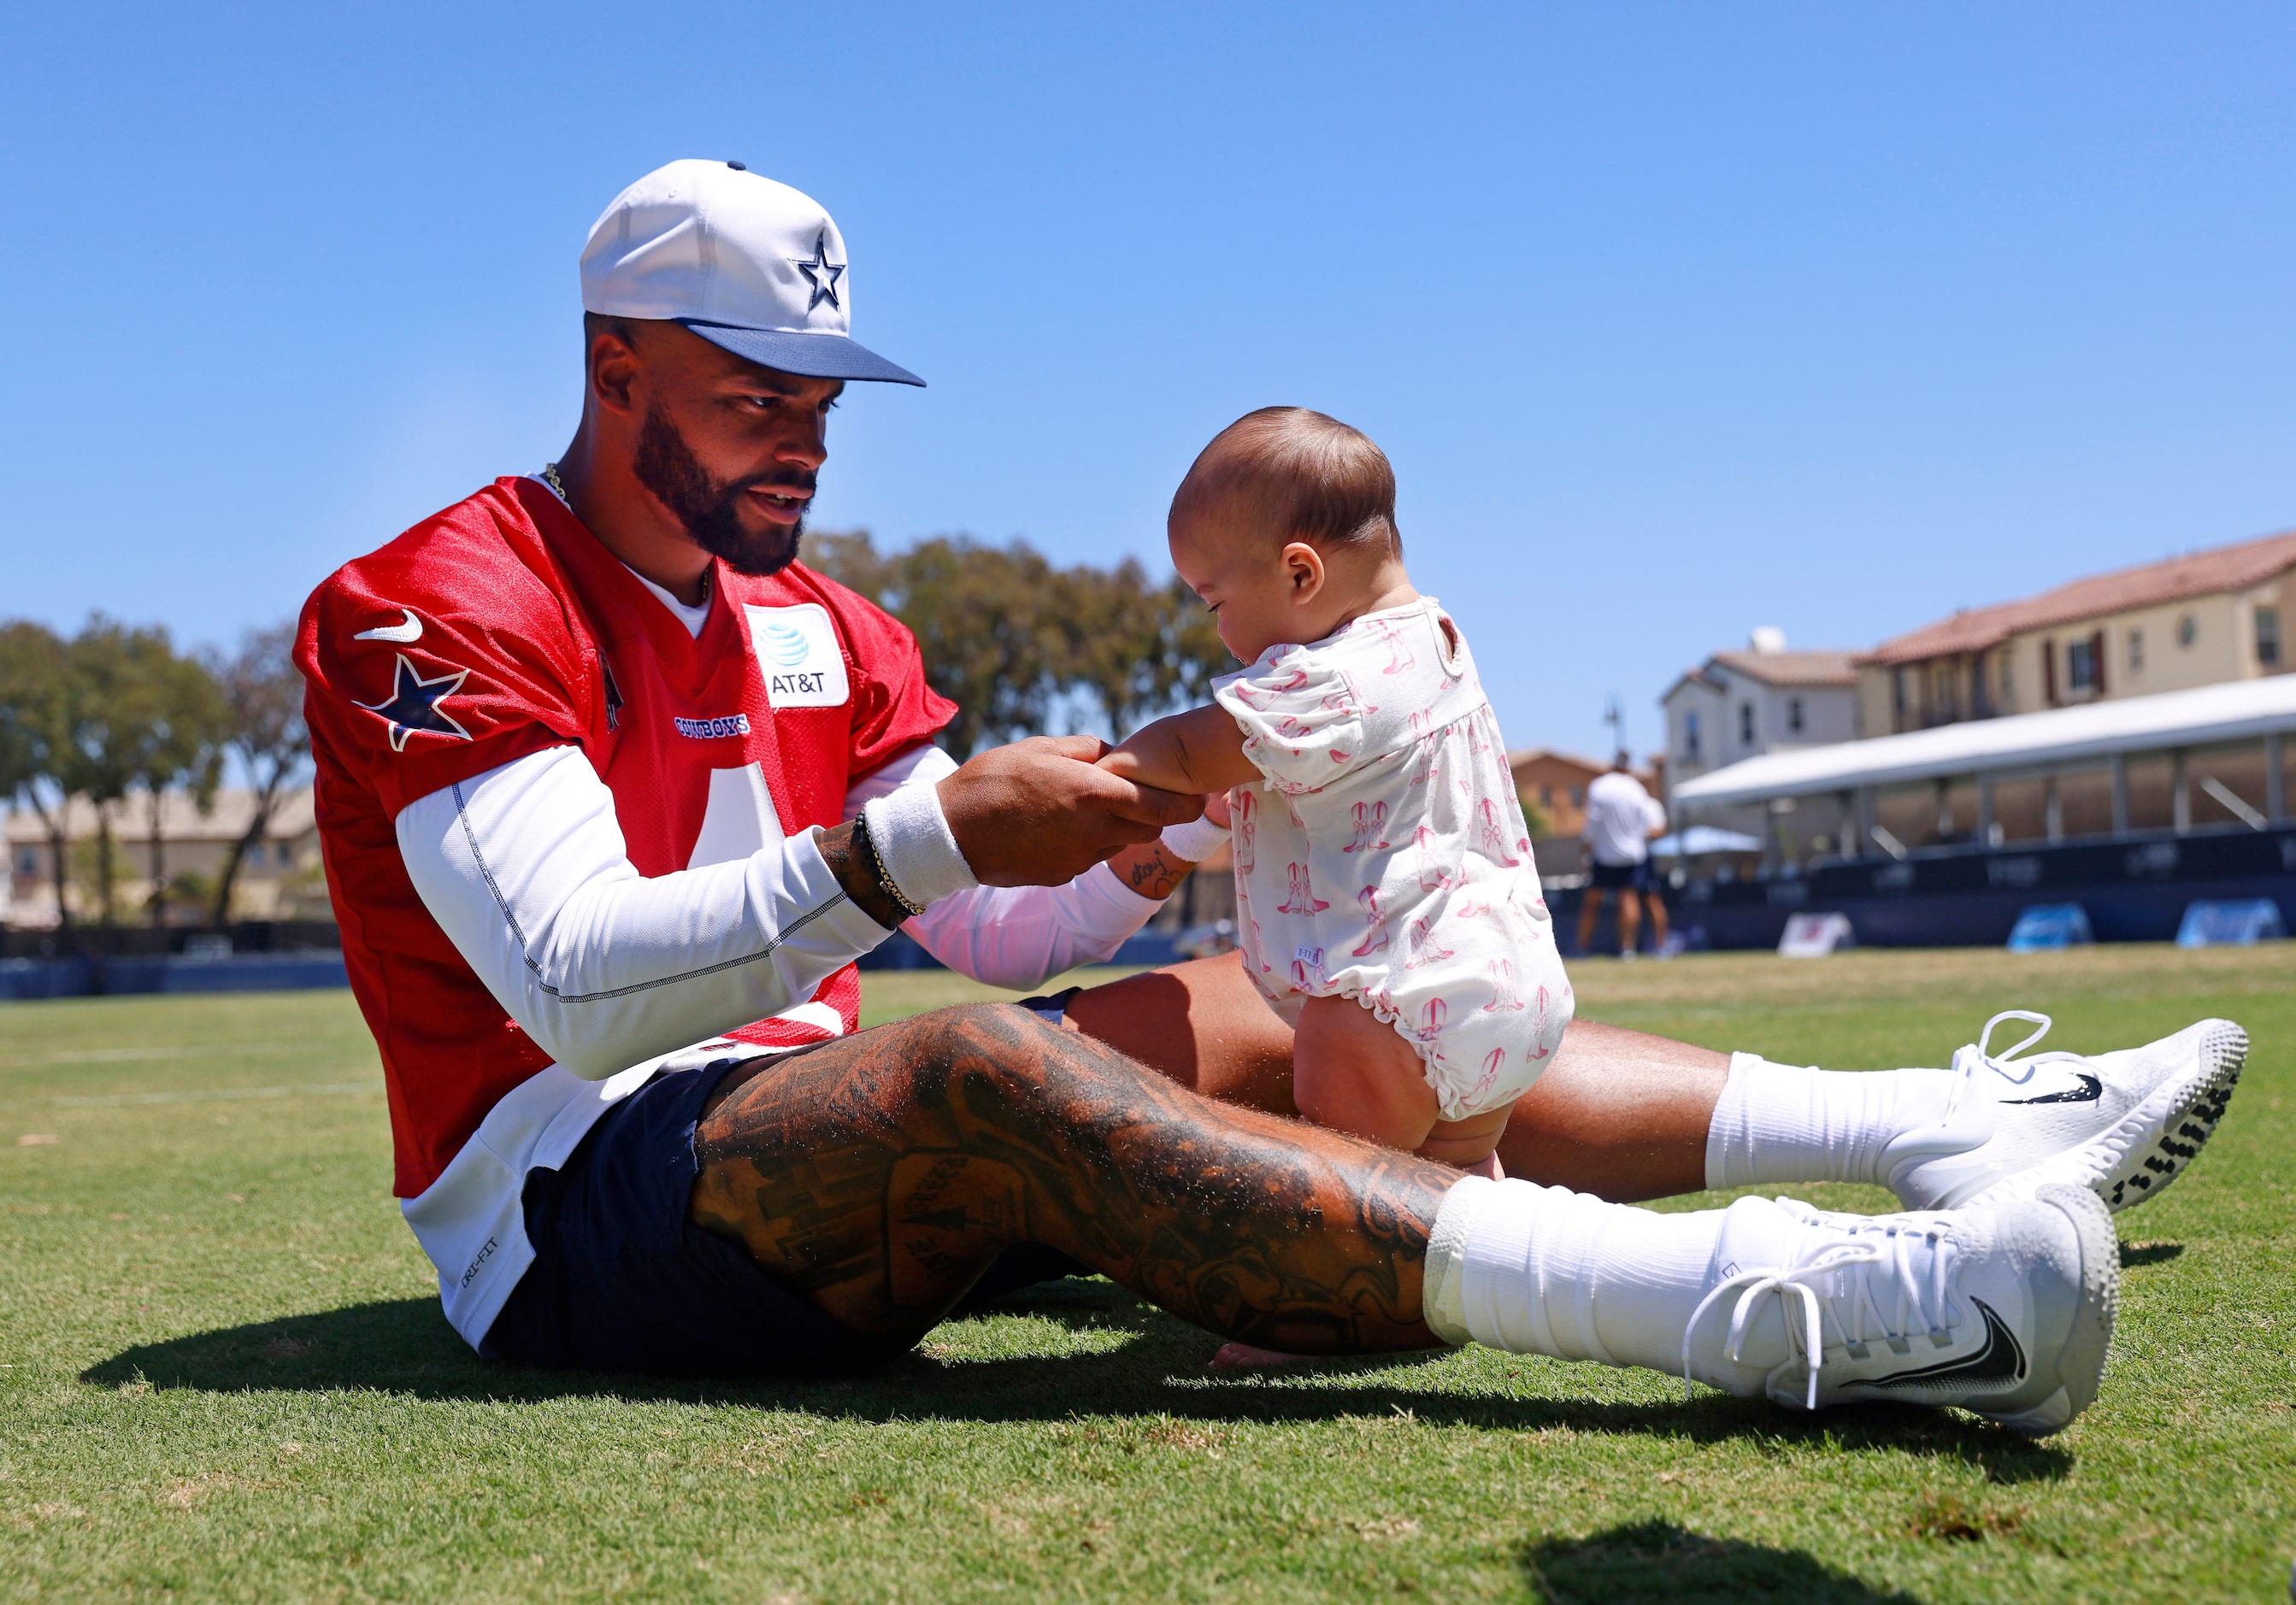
[797, 653]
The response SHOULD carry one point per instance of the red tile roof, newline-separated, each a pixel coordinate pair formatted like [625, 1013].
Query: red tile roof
[2150, 585]
[1793, 668]
[1593, 767]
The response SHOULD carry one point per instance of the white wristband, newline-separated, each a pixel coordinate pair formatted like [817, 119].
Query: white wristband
[915, 845]
[1196, 841]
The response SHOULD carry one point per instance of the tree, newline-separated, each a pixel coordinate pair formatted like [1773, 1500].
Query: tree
[134, 718]
[263, 692]
[1005, 634]
[34, 734]
[1534, 817]
[985, 617]
[182, 747]
[1139, 650]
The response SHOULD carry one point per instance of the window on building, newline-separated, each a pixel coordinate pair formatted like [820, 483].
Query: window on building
[1745, 723]
[1690, 733]
[1578, 797]
[2267, 637]
[2136, 652]
[1944, 703]
[1793, 715]
[1545, 796]
[1900, 692]
[2005, 678]
[27, 862]
[2188, 630]
[2080, 666]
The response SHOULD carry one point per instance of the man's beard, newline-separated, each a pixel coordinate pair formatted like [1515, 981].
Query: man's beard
[711, 509]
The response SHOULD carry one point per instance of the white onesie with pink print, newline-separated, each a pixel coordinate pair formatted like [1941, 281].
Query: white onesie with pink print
[1384, 858]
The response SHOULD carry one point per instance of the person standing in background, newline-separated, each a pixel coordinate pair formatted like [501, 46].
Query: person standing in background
[1622, 819]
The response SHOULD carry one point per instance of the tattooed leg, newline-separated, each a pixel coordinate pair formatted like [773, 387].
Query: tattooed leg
[1202, 1023]
[879, 1174]
[1619, 1114]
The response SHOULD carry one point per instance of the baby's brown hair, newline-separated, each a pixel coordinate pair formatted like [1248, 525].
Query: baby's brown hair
[1298, 473]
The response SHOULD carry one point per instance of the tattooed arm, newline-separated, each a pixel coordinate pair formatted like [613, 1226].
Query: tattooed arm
[878, 1175]
[1152, 869]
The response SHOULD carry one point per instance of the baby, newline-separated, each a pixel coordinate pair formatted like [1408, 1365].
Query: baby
[1387, 900]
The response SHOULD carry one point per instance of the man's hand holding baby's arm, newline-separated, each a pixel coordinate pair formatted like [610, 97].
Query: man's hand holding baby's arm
[1200, 750]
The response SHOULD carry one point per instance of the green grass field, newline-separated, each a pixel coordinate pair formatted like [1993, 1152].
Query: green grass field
[227, 1377]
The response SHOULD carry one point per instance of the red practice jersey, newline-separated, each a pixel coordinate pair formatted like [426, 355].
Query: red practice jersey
[500, 627]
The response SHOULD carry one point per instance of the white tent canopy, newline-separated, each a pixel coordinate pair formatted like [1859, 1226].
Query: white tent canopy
[2236, 710]
[1699, 840]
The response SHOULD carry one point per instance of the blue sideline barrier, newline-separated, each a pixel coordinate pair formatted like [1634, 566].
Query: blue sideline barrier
[24, 980]
[901, 951]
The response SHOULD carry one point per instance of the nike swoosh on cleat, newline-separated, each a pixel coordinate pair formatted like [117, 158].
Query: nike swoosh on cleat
[2000, 1361]
[410, 631]
[2088, 1091]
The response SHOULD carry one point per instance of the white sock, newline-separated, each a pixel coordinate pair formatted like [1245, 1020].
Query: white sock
[1784, 1123]
[1547, 1271]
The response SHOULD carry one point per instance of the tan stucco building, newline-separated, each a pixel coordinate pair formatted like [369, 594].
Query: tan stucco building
[2200, 620]
[280, 877]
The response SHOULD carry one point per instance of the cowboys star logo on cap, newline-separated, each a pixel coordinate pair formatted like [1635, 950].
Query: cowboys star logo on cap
[414, 701]
[749, 265]
[821, 273]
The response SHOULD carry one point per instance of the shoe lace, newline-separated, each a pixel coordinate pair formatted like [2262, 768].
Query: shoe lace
[1968, 1060]
[1877, 1293]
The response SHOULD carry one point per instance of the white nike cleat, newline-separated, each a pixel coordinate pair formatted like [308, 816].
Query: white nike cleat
[2006, 1310]
[2123, 1124]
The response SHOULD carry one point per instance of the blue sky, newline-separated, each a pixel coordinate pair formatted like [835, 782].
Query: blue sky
[1674, 319]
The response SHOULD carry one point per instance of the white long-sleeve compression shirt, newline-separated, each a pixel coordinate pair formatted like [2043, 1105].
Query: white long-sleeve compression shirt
[525, 869]
[1011, 936]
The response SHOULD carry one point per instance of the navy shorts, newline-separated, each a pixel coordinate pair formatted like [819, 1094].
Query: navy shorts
[622, 1280]
[1622, 877]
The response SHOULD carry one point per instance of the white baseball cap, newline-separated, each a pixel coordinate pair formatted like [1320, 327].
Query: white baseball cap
[747, 264]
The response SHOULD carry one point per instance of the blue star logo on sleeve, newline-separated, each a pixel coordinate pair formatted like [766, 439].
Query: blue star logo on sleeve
[414, 704]
[821, 273]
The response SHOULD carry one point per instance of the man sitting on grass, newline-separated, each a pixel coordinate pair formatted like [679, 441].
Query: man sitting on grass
[613, 792]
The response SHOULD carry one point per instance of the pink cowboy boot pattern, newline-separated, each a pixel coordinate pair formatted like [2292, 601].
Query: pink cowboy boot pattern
[1370, 821]
[1303, 900]
[1539, 1030]
[1492, 1062]
[1495, 842]
[1350, 700]
[1421, 946]
[1375, 930]
[1431, 1020]
[1423, 754]
[1434, 874]
[1504, 999]
[1243, 807]
[1399, 658]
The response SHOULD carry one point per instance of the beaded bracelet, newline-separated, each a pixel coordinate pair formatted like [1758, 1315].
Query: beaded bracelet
[862, 846]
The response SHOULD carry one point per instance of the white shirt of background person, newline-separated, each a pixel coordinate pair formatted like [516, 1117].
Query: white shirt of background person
[1621, 818]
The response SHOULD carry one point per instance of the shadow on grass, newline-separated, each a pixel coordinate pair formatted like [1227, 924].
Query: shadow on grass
[405, 1345]
[1660, 1563]
[2148, 1254]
